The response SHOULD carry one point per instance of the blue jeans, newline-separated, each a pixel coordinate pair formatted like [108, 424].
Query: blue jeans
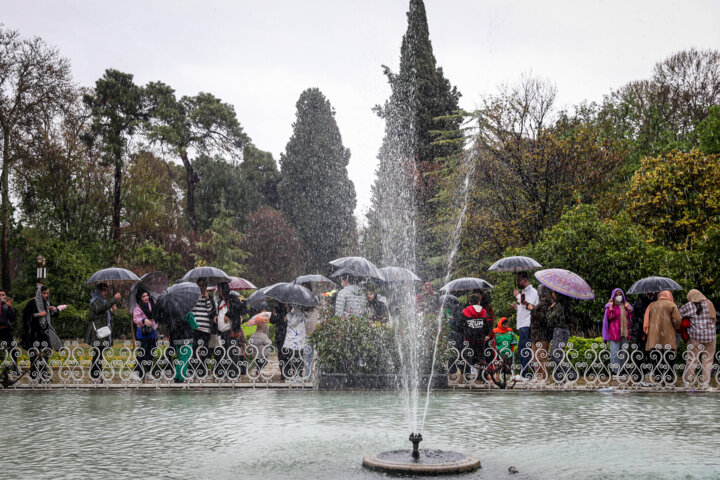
[309, 352]
[524, 351]
[618, 354]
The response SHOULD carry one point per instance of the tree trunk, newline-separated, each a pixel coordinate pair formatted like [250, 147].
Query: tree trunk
[192, 180]
[5, 242]
[116, 201]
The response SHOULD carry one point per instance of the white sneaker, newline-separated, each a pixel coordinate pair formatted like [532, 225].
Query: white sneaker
[518, 378]
[135, 377]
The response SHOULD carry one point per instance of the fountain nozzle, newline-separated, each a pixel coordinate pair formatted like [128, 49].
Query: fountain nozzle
[416, 438]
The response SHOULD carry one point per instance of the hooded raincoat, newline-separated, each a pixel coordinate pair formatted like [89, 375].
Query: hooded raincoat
[661, 319]
[612, 328]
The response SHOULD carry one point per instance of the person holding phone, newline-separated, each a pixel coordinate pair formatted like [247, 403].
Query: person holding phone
[526, 297]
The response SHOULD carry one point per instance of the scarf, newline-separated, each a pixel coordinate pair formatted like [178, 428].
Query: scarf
[623, 316]
[664, 295]
[696, 297]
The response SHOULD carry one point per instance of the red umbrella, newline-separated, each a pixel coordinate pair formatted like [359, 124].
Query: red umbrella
[237, 283]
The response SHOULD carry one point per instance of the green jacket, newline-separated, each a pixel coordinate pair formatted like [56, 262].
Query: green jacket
[505, 342]
[97, 317]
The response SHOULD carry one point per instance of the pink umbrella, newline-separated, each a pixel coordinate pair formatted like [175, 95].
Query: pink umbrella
[565, 282]
[237, 283]
[262, 317]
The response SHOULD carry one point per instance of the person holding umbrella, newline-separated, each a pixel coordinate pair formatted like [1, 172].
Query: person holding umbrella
[639, 357]
[377, 310]
[205, 315]
[146, 332]
[541, 334]
[350, 301]
[99, 329]
[559, 317]
[295, 340]
[661, 320]
[229, 321]
[526, 297]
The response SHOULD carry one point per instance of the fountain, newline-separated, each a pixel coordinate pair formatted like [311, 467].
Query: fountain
[397, 220]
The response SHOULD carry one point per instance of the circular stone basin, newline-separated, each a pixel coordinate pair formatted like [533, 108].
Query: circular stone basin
[431, 462]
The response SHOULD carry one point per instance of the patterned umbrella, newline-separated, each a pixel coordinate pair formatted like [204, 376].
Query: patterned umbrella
[565, 282]
[514, 264]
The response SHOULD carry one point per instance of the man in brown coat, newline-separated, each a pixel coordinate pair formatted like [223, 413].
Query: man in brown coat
[661, 319]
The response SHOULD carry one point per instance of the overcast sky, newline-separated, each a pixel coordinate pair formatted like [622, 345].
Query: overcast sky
[260, 55]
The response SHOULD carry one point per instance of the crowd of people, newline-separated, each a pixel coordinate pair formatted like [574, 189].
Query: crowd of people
[654, 323]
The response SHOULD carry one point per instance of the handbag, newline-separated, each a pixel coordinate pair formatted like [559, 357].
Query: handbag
[102, 332]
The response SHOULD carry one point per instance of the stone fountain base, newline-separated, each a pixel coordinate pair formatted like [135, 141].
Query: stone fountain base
[430, 462]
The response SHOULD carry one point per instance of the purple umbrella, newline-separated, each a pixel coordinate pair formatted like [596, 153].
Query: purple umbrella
[565, 282]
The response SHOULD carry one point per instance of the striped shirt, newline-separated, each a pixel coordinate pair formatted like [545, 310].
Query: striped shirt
[204, 311]
[702, 327]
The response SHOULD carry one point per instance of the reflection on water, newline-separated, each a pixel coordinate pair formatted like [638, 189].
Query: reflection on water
[271, 433]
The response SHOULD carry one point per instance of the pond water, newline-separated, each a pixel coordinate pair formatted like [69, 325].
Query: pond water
[280, 434]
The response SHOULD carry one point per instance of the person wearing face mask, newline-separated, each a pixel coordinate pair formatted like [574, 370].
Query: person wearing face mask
[616, 329]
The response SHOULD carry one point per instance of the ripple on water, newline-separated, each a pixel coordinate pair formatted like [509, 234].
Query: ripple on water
[270, 433]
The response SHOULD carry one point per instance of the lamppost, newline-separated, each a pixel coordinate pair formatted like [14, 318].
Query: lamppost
[41, 270]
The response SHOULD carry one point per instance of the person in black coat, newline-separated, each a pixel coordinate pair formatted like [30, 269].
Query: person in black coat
[279, 312]
[377, 310]
[233, 339]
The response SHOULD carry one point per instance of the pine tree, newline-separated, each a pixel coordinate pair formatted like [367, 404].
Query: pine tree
[316, 195]
[409, 156]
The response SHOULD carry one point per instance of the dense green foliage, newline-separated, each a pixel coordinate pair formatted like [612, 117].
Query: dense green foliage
[316, 195]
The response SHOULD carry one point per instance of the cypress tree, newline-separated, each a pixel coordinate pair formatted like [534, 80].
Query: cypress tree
[409, 157]
[316, 195]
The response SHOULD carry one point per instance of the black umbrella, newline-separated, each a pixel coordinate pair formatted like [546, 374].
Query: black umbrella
[340, 272]
[358, 266]
[154, 283]
[259, 295]
[291, 293]
[212, 275]
[314, 279]
[514, 264]
[113, 275]
[399, 275]
[178, 300]
[448, 299]
[466, 283]
[653, 285]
